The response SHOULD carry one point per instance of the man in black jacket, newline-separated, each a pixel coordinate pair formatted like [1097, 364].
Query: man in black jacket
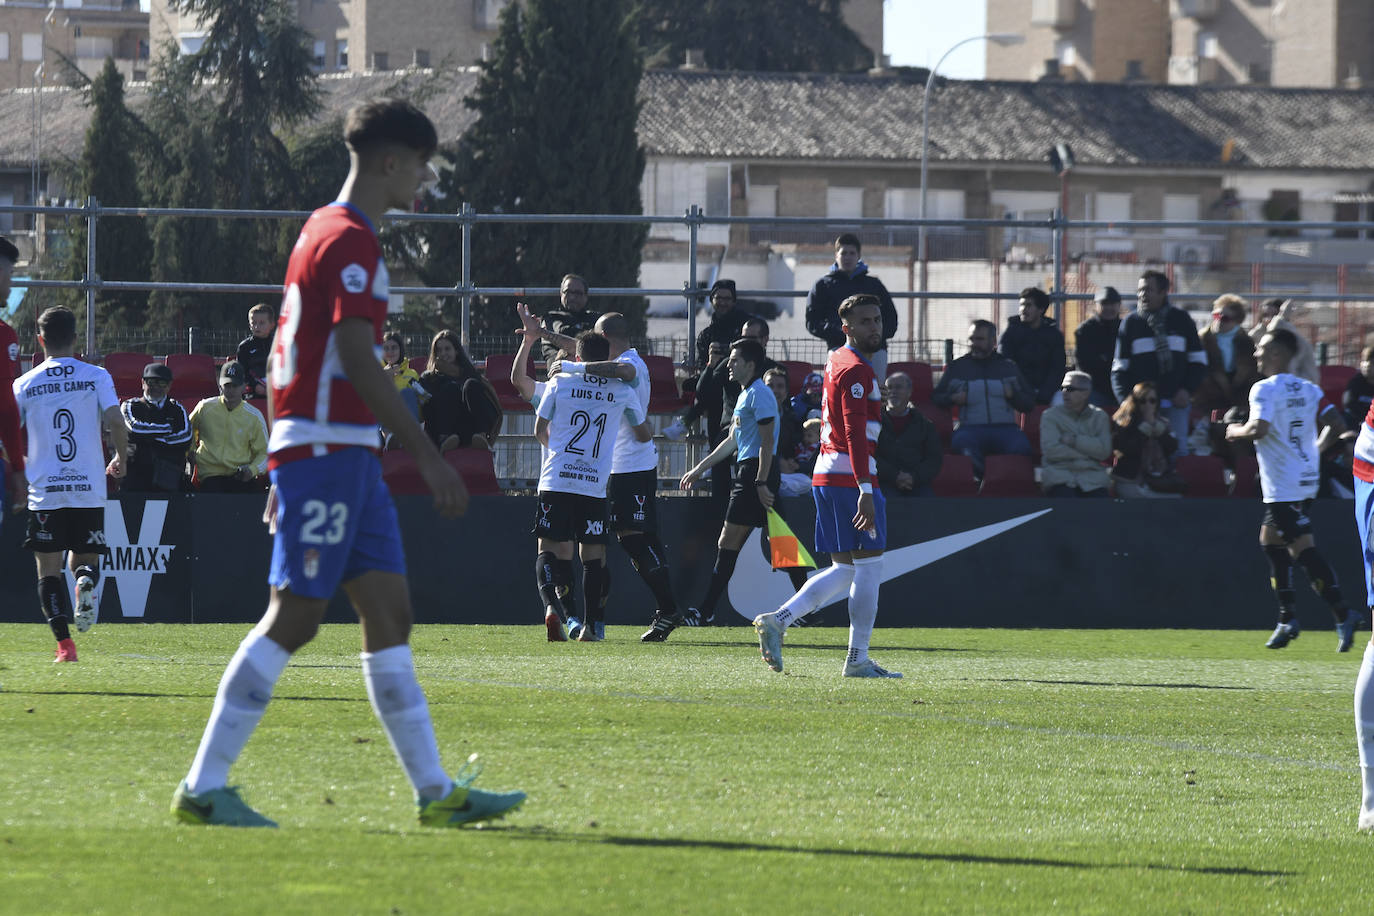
[1095, 344]
[571, 319]
[908, 451]
[159, 436]
[1032, 340]
[1158, 343]
[848, 276]
[727, 323]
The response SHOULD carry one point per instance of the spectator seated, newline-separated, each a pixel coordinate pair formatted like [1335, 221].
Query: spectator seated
[1008, 475]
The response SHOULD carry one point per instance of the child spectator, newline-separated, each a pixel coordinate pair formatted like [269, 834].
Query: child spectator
[252, 352]
[807, 403]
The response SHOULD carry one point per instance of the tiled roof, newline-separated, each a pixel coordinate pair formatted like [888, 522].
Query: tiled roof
[857, 118]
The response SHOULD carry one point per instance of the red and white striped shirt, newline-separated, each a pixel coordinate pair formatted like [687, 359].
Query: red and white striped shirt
[1364, 448]
[336, 272]
[851, 418]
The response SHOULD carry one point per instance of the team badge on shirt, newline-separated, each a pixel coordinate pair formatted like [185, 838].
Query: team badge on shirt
[311, 566]
[857, 390]
[354, 278]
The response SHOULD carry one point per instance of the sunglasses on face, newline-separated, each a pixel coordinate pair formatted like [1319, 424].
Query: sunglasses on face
[1067, 388]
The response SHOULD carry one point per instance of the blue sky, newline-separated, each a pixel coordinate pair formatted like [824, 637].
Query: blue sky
[916, 33]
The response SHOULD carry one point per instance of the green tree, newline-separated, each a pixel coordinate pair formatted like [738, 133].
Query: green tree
[556, 133]
[779, 35]
[108, 173]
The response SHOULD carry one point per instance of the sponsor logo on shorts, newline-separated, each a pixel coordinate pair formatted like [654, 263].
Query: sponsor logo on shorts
[354, 278]
[594, 527]
[96, 537]
[311, 564]
[639, 513]
[544, 515]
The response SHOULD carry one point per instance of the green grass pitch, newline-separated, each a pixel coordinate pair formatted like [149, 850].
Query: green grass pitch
[1009, 772]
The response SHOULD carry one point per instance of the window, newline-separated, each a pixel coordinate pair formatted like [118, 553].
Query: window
[844, 203]
[341, 54]
[1065, 53]
[379, 60]
[1207, 44]
[1180, 206]
[190, 42]
[96, 48]
[32, 43]
[486, 14]
[1111, 206]
[941, 203]
[319, 54]
[421, 57]
[763, 200]
[4, 45]
[717, 199]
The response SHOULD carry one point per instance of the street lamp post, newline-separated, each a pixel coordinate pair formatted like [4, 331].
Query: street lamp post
[1002, 39]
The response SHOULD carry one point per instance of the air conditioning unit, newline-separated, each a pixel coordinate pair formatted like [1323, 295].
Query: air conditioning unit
[1054, 14]
[1193, 9]
[1188, 252]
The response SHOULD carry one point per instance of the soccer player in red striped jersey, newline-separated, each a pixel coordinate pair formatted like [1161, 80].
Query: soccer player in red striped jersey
[332, 519]
[851, 516]
[1364, 683]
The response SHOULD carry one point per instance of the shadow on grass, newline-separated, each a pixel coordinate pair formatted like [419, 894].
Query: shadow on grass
[958, 858]
[839, 647]
[169, 696]
[1029, 680]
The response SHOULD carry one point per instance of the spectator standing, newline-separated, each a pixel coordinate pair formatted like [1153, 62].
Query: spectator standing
[63, 402]
[1231, 365]
[10, 442]
[988, 389]
[230, 438]
[564, 323]
[1075, 438]
[1034, 342]
[252, 351]
[1094, 343]
[1359, 391]
[1158, 343]
[794, 481]
[1288, 417]
[908, 450]
[713, 342]
[848, 276]
[1143, 447]
[726, 325]
[462, 409]
[159, 436]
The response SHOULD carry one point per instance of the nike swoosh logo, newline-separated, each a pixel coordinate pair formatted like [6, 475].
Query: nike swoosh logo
[757, 587]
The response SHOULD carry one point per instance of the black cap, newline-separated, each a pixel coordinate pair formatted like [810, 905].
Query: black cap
[158, 371]
[232, 372]
[8, 251]
[1107, 294]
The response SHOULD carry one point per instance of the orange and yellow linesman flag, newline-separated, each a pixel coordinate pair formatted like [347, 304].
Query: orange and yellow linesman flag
[786, 549]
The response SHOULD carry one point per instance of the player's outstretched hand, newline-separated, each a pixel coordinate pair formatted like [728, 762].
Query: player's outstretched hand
[450, 493]
[529, 324]
[866, 518]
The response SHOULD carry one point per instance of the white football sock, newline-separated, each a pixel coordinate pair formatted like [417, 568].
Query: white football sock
[1364, 725]
[240, 702]
[401, 706]
[863, 606]
[819, 590]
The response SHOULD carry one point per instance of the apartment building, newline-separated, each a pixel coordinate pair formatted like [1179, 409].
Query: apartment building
[55, 35]
[1299, 43]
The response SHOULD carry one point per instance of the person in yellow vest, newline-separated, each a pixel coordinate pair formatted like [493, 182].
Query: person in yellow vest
[230, 438]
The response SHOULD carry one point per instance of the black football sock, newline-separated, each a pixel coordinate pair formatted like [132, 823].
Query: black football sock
[1323, 581]
[592, 573]
[649, 559]
[56, 605]
[720, 577]
[1281, 579]
[546, 578]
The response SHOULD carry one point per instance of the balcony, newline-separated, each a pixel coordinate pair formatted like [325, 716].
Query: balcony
[1054, 14]
[1193, 9]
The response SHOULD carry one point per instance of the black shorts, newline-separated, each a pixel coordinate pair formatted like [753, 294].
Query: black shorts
[745, 508]
[78, 530]
[634, 501]
[571, 517]
[1290, 520]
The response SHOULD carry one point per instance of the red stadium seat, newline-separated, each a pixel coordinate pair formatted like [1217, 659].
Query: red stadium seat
[1247, 477]
[1206, 475]
[955, 477]
[664, 396]
[922, 379]
[498, 373]
[1030, 425]
[127, 371]
[475, 465]
[943, 420]
[1333, 382]
[421, 363]
[1009, 475]
[797, 371]
[193, 378]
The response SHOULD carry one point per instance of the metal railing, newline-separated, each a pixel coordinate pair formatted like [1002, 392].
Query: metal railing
[1349, 287]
